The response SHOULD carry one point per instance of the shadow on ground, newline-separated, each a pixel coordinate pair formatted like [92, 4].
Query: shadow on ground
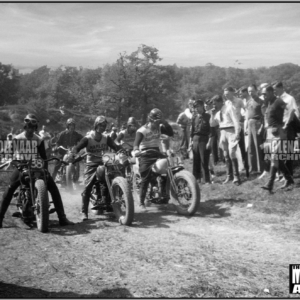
[8, 290]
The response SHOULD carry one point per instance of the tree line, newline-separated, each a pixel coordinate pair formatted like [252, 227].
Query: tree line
[131, 86]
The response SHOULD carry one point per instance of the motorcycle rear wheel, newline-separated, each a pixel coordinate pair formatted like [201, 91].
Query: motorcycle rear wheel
[188, 200]
[123, 204]
[42, 206]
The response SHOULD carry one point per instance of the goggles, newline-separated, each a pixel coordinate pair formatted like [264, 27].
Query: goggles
[30, 121]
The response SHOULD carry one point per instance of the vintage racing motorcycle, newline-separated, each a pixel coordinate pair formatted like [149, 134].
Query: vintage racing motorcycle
[32, 196]
[68, 174]
[120, 197]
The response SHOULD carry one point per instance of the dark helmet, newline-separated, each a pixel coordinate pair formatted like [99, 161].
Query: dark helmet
[99, 120]
[155, 114]
[69, 122]
[198, 102]
[132, 121]
[31, 119]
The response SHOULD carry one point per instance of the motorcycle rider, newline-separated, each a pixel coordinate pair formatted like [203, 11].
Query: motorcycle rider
[31, 125]
[96, 143]
[148, 137]
[128, 135]
[67, 138]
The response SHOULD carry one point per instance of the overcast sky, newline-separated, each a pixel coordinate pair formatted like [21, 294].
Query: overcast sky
[186, 34]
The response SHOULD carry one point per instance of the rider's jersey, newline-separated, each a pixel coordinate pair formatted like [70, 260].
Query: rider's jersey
[96, 147]
[31, 148]
[128, 138]
[151, 138]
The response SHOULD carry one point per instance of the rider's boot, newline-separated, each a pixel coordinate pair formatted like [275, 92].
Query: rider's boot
[142, 198]
[6, 199]
[84, 207]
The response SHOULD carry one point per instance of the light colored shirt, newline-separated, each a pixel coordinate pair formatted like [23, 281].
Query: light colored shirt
[46, 137]
[291, 105]
[239, 106]
[227, 117]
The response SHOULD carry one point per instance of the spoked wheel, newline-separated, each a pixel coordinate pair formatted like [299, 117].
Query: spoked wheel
[42, 206]
[123, 205]
[188, 198]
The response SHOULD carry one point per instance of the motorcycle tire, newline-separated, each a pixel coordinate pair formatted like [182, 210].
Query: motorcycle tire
[42, 206]
[70, 170]
[136, 178]
[124, 207]
[190, 207]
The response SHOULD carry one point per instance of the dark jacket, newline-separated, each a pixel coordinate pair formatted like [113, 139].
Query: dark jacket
[201, 125]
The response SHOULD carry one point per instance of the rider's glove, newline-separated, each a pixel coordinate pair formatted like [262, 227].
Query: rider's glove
[135, 152]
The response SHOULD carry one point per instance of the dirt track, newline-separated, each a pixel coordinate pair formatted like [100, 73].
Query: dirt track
[213, 254]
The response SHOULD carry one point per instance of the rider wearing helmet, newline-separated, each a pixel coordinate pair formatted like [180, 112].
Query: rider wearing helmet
[96, 143]
[127, 135]
[30, 126]
[67, 138]
[148, 137]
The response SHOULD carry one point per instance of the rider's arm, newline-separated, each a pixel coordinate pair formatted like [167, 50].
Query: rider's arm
[138, 139]
[42, 152]
[82, 144]
[166, 128]
[111, 144]
[119, 137]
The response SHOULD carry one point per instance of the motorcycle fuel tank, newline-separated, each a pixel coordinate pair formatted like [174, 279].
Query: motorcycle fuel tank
[160, 166]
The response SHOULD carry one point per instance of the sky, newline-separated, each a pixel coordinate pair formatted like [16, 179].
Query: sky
[244, 35]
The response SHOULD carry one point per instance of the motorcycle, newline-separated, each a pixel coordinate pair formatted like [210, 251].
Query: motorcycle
[32, 197]
[181, 187]
[120, 197]
[67, 175]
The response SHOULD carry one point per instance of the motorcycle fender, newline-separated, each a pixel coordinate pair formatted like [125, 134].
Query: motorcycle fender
[177, 169]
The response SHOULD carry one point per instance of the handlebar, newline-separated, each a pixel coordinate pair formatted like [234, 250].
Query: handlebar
[21, 163]
[62, 147]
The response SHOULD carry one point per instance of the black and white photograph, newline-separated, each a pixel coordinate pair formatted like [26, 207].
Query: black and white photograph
[149, 150]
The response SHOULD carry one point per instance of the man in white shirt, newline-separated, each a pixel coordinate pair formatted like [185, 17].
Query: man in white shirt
[230, 128]
[239, 106]
[291, 111]
[184, 120]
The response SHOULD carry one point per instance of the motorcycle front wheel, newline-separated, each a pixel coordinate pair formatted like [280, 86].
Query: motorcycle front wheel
[188, 198]
[122, 203]
[41, 206]
[70, 170]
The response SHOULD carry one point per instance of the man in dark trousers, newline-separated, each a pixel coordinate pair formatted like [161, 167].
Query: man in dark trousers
[201, 133]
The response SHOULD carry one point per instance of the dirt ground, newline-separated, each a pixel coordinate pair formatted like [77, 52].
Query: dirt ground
[235, 246]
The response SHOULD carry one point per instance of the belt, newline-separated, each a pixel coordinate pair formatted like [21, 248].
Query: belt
[231, 127]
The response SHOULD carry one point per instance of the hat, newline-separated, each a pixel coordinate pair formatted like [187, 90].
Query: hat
[229, 89]
[263, 85]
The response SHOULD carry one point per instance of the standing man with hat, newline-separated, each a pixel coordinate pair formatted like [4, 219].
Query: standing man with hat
[239, 107]
[184, 121]
[254, 127]
[290, 118]
[230, 128]
[201, 133]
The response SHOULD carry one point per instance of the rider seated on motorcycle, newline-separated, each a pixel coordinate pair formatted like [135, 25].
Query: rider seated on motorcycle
[31, 125]
[96, 143]
[148, 137]
[67, 138]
